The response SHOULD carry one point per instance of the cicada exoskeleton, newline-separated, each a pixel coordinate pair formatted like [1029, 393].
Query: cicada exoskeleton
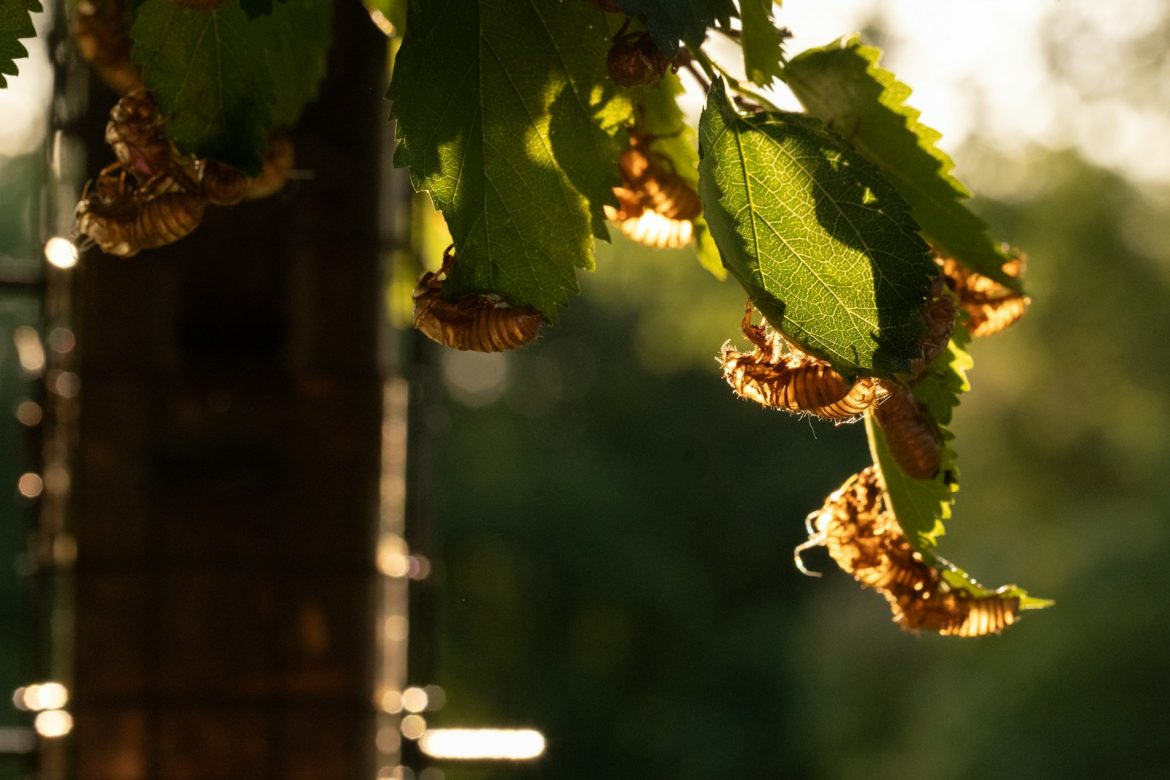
[779, 376]
[864, 539]
[479, 322]
[656, 206]
[123, 221]
[912, 435]
[101, 30]
[954, 612]
[990, 307]
[939, 316]
[633, 59]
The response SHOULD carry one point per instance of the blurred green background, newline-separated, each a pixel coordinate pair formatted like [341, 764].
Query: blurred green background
[615, 529]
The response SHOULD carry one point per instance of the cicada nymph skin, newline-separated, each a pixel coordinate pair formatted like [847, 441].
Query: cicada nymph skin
[939, 315]
[954, 612]
[779, 376]
[101, 31]
[633, 60]
[865, 541]
[478, 322]
[279, 159]
[656, 206]
[123, 221]
[136, 132]
[990, 306]
[912, 435]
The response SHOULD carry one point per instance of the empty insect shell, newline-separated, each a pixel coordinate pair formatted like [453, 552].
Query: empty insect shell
[803, 385]
[671, 196]
[101, 30]
[865, 541]
[987, 319]
[911, 434]
[278, 164]
[954, 612]
[478, 322]
[655, 230]
[222, 184]
[135, 133]
[939, 315]
[634, 61]
[123, 223]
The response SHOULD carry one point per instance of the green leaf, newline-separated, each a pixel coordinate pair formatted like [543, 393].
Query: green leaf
[256, 8]
[821, 241]
[660, 115]
[506, 116]
[922, 505]
[842, 85]
[763, 44]
[295, 40]
[15, 23]
[223, 82]
[208, 71]
[670, 21]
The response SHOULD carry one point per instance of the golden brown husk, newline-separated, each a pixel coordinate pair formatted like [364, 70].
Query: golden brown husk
[865, 541]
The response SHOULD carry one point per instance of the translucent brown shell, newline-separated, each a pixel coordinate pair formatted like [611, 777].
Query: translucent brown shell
[778, 376]
[912, 435]
[939, 316]
[656, 206]
[101, 30]
[136, 132]
[865, 541]
[990, 307]
[479, 322]
[123, 222]
[633, 60]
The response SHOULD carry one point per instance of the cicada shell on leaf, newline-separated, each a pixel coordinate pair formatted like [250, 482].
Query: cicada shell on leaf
[865, 541]
[779, 376]
[480, 322]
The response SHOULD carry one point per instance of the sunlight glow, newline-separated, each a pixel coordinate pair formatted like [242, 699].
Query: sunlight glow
[61, 252]
[483, 744]
[1054, 73]
[53, 723]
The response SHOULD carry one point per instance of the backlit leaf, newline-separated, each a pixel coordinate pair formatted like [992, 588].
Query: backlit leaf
[843, 85]
[821, 241]
[762, 42]
[506, 116]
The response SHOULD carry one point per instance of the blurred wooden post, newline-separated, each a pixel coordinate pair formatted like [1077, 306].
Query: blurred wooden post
[227, 479]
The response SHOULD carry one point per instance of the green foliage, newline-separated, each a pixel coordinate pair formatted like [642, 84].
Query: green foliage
[843, 85]
[922, 505]
[513, 139]
[224, 82]
[670, 21]
[823, 244]
[256, 8]
[15, 23]
[762, 43]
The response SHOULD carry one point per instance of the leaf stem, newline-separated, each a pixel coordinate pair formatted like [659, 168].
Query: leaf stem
[714, 69]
